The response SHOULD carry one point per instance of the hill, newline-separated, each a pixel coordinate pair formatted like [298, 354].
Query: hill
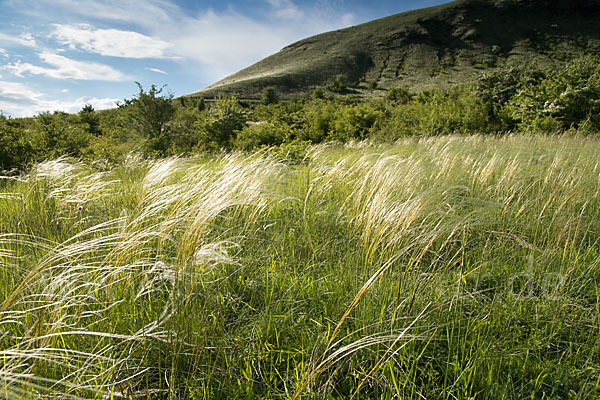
[438, 46]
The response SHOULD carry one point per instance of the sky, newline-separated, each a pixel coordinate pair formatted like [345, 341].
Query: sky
[63, 54]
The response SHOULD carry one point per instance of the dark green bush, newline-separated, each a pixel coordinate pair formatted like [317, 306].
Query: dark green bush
[181, 133]
[569, 95]
[399, 95]
[264, 133]
[63, 134]
[18, 146]
[269, 96]
[90, 119]
[222, 123]
[340, 84]
[148, 114]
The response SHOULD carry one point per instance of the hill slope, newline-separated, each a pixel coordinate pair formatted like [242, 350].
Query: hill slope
[437, 46]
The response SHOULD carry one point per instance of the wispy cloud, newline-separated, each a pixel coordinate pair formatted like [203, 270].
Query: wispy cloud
[110, 42]
[18, 100]
[138, 12]
[286, 9]
[26, 39]
[214, 44]
[77, 40]
[159, 71]
[221, 43]
[66, 68]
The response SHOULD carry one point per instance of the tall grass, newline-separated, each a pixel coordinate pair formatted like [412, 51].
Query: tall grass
[454, 267]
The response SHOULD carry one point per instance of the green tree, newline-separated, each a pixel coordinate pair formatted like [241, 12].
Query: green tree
[269, 96]
[17, 149]
[569, 96]
[399, 95]
[62, 134]
[340, 84]
[150, 111]
[222, 123]
[88, 116]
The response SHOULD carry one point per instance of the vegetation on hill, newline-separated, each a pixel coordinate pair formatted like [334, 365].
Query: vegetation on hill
[431, 48]
[500, 101]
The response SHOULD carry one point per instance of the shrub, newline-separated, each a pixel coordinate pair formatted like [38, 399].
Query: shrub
[256, 135]
[181, 135]
[399, 95]
[354, 122]
[62, 134]
[318, 94]
[294, 151]
[222, 123]
[570, 95]
[340, 84]
[319, 121]
[88, 117]
[17, 148]
[269, 96]
[149, 113]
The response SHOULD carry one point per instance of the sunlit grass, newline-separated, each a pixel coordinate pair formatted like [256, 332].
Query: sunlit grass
[453, 267]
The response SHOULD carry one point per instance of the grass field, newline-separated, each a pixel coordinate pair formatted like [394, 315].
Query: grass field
[440, 268]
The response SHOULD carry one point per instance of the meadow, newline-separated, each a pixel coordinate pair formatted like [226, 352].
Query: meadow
[452, 267]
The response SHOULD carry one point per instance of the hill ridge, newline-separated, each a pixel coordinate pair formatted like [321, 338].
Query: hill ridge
[438, 46]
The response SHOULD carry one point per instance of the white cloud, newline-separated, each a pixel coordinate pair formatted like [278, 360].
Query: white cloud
[110, 42]
[160, 71]
[24, 40]
[66, 68]
[214, 44]
[3, 53]
[286, 9]
[139, 12]
[220, 44]
[208, 44]
[18, 100]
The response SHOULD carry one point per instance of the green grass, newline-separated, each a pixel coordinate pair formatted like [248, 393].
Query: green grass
[446, 268]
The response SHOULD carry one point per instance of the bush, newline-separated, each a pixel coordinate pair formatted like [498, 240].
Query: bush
[88, 117]
[354, 122]
[294, 151]
[63, 134]
[18, 148]
[340, 84]
[256, 135]
[318, 94]
[149, 112]
[222, 123]
[269, 96]
[570, 95]
[319, 121]
[181, 133]
[399, 95]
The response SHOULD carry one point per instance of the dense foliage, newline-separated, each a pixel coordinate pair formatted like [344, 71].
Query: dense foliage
[504, 100]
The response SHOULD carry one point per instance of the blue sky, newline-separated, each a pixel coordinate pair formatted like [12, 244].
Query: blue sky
[62, 54]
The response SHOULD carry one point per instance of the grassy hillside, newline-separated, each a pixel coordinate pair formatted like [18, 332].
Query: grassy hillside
[442, 268]
[433, 47]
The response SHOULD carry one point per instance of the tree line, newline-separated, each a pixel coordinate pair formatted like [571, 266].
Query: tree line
[154, 123]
